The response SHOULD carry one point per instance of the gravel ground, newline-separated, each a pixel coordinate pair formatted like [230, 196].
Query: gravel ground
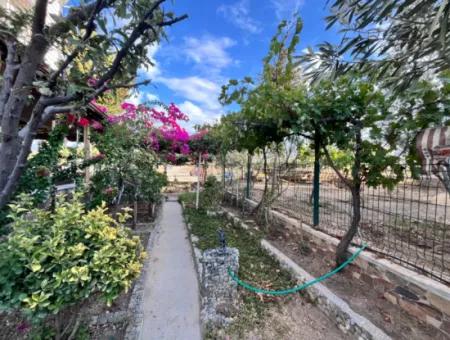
[296, 320]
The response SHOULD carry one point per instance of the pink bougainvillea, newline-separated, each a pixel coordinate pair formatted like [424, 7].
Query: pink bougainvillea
[83, 122]
[162, 126]
[199, 135]
[92, 82]
[71, 118]
[99, 107]
[96, 125]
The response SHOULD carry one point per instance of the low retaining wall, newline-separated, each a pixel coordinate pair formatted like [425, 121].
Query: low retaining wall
[420, 296]
[338, 310]
[218, 291]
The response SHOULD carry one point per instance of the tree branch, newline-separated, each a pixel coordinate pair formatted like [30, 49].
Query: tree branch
[90, 27]
[39, 16]
[346, 181]
[130, 85]
[173, 21]
[135, 34]
[75, 17]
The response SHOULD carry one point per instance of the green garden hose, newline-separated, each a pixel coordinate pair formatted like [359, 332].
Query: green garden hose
[300, 287]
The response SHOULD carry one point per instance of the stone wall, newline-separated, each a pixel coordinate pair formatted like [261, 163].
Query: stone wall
[219, 297]
[218, 290]
[418, 295]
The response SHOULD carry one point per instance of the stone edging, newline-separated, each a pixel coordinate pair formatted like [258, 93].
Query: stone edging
[334, 307]
[423, 298]
[196, 256]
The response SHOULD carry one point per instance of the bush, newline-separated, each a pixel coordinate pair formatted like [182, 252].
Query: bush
[211, 195]
[54, 260]
[128, 172]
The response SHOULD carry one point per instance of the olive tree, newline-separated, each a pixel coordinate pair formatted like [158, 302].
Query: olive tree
[396, 41]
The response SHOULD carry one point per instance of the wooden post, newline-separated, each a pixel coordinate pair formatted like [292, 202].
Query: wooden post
[135, 212]
[87, 152]
[197, 198]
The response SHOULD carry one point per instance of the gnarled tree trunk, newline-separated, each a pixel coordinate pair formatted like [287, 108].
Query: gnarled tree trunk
[355, 188]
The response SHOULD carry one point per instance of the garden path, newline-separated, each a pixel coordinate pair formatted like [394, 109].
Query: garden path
[171, 302]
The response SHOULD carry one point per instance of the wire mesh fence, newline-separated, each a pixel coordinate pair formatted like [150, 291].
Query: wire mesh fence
[409, 224]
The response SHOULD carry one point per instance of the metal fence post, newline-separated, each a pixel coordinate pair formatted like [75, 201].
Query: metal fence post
[316, 187]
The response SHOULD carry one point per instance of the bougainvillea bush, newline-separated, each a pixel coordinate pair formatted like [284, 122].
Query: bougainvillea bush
[134, 143]
[53, 260]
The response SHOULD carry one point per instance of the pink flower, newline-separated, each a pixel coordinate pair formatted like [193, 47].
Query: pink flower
[98, 106]
[199, 135]
[83, 122]
[92, 82]
[96, 125]
[184, 149]
[171, 157]
[128, 106]
[71, 118]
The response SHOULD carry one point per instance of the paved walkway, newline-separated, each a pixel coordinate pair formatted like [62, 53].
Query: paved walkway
[171, 293]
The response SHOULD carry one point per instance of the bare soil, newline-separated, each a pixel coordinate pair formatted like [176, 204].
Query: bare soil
[360, 296]
[295, 320]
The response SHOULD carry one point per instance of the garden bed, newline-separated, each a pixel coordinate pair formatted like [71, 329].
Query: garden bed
[99, 321]
[259, 317]
[361, 296]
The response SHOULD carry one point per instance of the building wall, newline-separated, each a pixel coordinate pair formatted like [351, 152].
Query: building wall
[55, 7]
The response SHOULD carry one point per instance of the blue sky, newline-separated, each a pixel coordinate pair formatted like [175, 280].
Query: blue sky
[221, 40]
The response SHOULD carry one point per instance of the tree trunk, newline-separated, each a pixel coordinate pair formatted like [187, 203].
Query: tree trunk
[249, 175]
[266, 184]
[341, 251]
[224, 157]
[274, 176]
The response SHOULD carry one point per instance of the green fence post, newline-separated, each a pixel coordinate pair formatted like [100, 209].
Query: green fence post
[249, 175]
[316, 182]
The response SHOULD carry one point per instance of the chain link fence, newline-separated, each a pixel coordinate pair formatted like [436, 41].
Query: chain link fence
[409, 224]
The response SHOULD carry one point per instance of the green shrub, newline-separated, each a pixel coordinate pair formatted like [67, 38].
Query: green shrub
[211, 195]
[53, 260]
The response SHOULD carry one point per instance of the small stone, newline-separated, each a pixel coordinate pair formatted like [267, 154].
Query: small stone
[440, 303]
[356, 275]
[406, 293]
[433, 322]
[390, 297]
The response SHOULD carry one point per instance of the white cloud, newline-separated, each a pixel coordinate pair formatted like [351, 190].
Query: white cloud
[135, 98]
[199, 90]
[239, 15]
[284, 9]
[151, 97]
[198, 115]
[141, 97]
[209, 51]
[152, 70]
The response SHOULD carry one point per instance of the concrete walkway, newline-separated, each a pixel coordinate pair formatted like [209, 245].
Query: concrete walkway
[171, 302]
